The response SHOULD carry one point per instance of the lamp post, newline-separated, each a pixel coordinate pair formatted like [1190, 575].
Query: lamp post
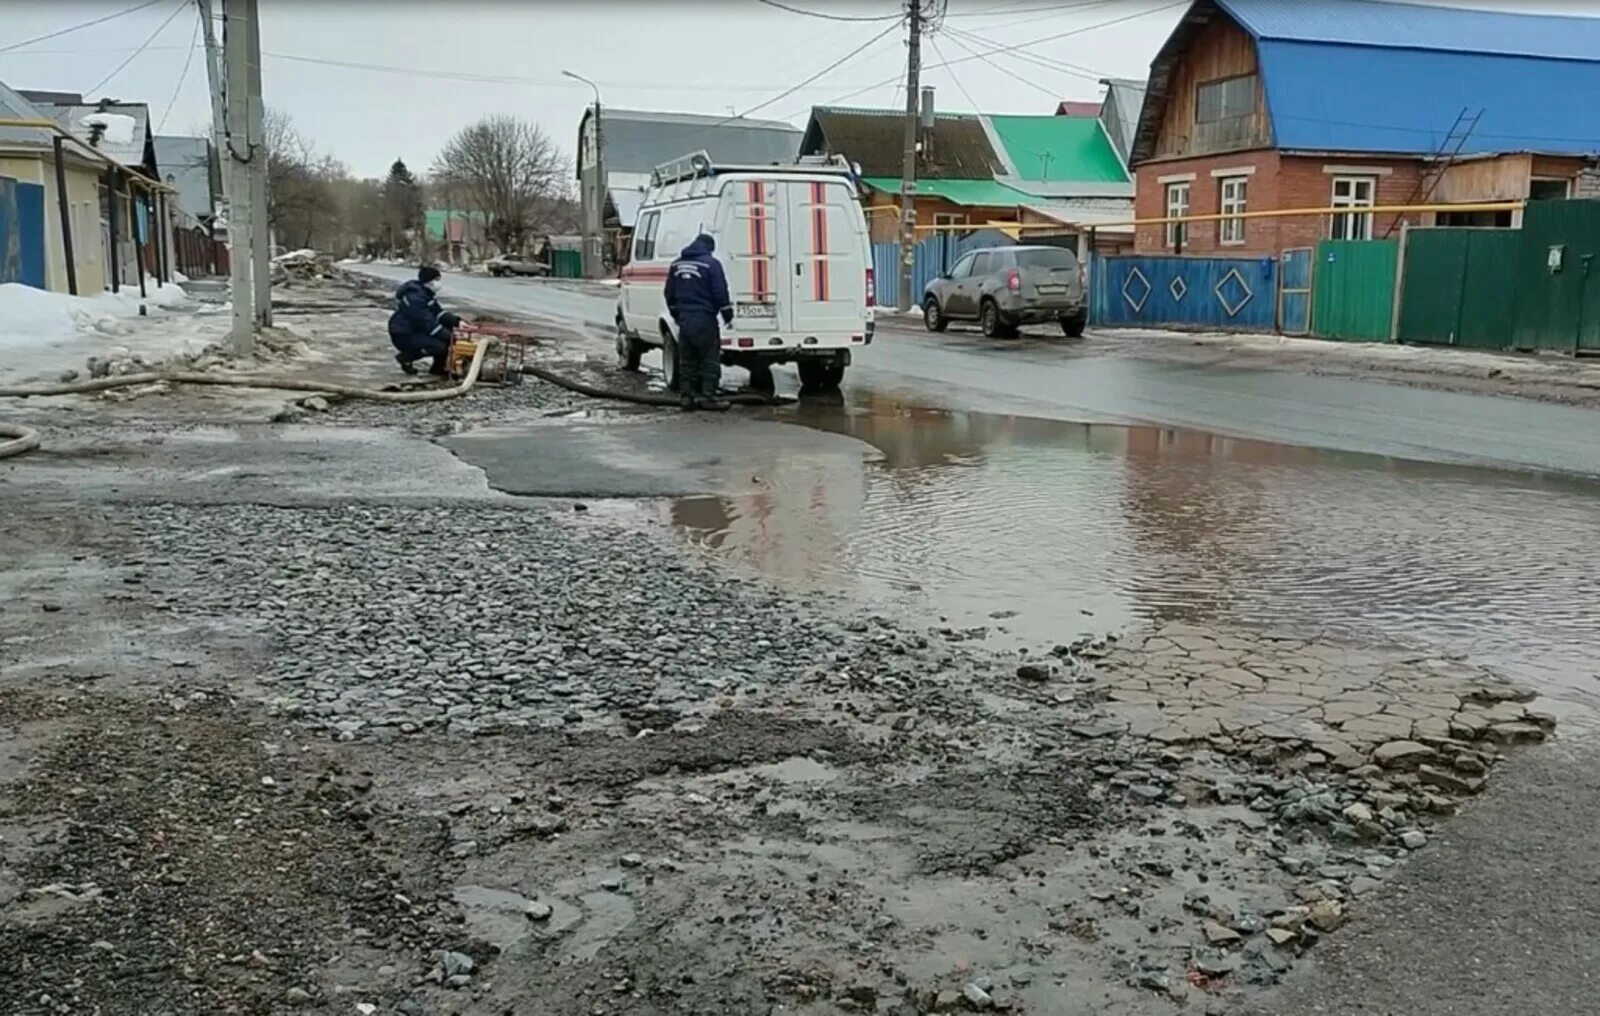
[594, 216]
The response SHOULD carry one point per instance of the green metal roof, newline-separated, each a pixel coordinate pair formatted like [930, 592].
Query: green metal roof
[1059, 149]
[976, 193]
[435, 218]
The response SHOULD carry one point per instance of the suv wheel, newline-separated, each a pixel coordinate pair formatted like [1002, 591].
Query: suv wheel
[994, 325]
[932, 317]
[1073, 326]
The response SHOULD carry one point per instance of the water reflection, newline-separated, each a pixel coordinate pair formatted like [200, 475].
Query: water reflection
[1078, 527]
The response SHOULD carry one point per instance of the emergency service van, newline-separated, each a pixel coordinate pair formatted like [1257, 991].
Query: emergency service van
[793, 243]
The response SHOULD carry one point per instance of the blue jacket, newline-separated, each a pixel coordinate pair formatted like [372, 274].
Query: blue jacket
[417, 314]
[696, 285]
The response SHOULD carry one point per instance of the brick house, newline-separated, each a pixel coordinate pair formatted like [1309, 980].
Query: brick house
[1255, 105]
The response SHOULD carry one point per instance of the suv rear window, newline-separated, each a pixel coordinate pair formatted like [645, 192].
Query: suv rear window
[1058, 257]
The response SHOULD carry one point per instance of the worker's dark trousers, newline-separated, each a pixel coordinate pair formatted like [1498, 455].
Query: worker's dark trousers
[699, 357]
[415, 347]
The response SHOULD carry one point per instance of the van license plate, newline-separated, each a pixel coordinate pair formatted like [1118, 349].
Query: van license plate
[757, 310]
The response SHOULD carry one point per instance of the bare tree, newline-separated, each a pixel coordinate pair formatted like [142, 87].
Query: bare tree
[302, 207]
[510, 170]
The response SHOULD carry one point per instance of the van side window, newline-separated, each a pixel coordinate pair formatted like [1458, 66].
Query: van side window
[644, 244]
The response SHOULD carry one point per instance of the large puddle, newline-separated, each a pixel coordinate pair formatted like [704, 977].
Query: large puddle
[1042, 530]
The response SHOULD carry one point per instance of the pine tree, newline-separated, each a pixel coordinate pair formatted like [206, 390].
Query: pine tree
[402, 211]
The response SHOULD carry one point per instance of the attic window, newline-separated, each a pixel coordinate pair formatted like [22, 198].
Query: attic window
[1225, 99]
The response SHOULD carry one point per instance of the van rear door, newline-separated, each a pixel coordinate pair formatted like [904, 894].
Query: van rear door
[747, 245]
[826, 259]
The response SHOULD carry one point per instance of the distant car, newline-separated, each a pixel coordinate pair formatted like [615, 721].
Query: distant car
[1003, 288]
[516, 264]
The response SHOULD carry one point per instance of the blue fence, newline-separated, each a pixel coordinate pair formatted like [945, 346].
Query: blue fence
[1233, 294]
[21, 232]
[933, 256]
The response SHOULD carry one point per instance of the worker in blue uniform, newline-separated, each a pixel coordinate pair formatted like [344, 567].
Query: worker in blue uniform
[419, 327]
[697, 294]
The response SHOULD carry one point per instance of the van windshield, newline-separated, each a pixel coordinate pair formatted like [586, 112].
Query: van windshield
[1051, 258]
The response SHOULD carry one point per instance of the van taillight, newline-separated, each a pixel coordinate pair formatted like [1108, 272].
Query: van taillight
[1014, 280]
[872, 289]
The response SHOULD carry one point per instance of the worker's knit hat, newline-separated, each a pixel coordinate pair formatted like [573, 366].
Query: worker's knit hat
[427, 273]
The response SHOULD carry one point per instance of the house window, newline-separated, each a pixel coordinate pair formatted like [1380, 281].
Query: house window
[1352, 192]
[644, 242]
[1177, 206]
[1233, 189]
[1226, 99]
[949, 219]
[1547, 190]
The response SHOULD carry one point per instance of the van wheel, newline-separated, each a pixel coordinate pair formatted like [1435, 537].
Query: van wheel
[669, 360]
[761, 378]
[820, 375]
[993, 325]
[932, 317]
[629, 349]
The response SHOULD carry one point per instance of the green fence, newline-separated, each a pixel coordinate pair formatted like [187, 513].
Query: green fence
[566, 264]
[1557, 292]
[1457, 289]
[1353, 289]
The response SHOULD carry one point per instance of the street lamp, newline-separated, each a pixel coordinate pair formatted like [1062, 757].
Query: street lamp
[594, 216]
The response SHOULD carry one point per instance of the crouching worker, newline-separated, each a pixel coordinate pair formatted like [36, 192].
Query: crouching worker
[697, 294]
[419, 327]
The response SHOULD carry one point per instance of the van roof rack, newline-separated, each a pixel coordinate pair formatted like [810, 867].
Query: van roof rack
[699, 164]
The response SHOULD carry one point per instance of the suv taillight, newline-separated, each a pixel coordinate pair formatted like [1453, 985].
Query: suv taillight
[872, 288]
[1014, 280]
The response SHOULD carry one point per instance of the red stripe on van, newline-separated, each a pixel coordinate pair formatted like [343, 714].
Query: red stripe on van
[631, 273]
[759, 281]
[819, 241]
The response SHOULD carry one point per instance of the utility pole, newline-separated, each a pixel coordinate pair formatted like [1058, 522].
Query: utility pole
[219, 115]
[237, 152]
[908, 168]
[261, 236]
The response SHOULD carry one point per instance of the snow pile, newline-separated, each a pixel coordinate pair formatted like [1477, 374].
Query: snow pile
[117, 128]
[43, 332]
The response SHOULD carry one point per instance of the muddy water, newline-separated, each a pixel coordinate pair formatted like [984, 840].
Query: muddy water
[1042, 530]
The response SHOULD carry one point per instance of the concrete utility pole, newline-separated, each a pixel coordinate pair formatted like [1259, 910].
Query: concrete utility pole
[219, 115]
[261, 237]
[908, 168]
[594, 213]
[238, 153]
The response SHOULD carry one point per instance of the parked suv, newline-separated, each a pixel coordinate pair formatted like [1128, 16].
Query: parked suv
[515, 264]
[1002, 288]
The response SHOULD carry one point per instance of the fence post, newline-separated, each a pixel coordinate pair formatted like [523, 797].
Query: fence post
[1399, 279]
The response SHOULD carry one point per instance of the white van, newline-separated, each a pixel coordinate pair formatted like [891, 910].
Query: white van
[793, 242]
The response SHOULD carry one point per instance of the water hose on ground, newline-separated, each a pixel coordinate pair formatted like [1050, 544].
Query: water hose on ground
[638, 398]
[24, 439]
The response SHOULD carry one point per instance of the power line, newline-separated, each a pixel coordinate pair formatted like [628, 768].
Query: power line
[793, 88]
[1017, 47]
[1002, 69]
[134, 55]
[896, 16]
[1056, 8]
[1059, 66]
[934, 42]
[184, 75]
[74, 28]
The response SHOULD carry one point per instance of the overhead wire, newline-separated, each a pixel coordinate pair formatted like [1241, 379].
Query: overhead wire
[896, 16]
[933, 41]
[1048, 63]
[135, 54]
[78, 27]
[1003, 69]
[184, 74]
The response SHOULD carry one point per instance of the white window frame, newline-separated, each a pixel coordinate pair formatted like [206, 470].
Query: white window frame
[1352, 225]
[1177, 205]
[1230, 232]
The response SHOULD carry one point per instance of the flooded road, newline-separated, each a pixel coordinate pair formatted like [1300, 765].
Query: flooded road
[1044, 530]
[1044, 494]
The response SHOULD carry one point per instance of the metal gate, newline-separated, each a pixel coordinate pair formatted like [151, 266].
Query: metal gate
[1353, 289]
[1558, 277]
[1294, 292]
[1457, 288]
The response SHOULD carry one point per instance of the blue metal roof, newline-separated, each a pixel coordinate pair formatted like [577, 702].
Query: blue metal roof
[1415, 26]
[1358, 76]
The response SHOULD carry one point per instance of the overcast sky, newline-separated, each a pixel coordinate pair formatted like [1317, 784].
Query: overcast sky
[706, 56]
